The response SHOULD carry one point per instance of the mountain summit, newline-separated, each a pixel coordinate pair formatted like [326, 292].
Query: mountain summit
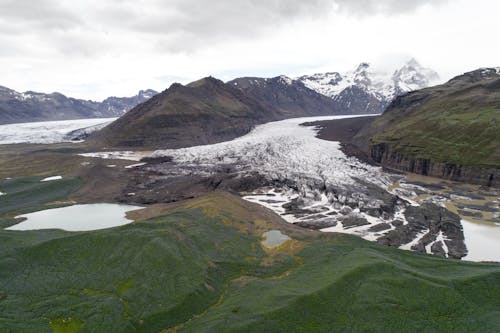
[365, 90]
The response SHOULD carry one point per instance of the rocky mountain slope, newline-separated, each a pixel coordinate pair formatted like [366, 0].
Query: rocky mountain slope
[291, 98]
[366, 91]
[209, 111]
[16, 107]
[451, 130]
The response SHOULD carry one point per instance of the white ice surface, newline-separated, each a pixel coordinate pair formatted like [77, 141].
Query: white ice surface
[284, 150]
[45, 132]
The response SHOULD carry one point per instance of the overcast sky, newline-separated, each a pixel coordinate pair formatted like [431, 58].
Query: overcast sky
[97, 48]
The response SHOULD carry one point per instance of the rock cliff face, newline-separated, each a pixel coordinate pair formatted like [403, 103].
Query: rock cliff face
[450, 131]
[383, 154]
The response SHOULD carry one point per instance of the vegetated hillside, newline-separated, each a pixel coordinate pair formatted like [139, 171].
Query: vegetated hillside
[207, 111]
[451, 130]
[199, 266]
[16, 107]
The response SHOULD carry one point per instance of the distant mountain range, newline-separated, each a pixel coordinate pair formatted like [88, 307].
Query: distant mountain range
[209, 110]
[16, 107]
[361, 91]
[366, 91]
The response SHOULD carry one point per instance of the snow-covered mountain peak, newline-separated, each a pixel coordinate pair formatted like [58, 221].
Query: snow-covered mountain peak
[362, 68]
[376, 88]
[413, 76]
[146, 94]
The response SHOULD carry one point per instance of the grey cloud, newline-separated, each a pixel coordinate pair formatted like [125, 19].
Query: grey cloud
[45, 14]
[369, 7]
[185, 25]
[72, 27]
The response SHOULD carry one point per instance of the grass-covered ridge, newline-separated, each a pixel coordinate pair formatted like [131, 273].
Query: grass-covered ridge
[458, 122]
[28, 194]
[199, 267]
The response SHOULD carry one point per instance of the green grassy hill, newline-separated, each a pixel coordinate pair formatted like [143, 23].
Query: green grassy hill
[199, 266]
[457, 122]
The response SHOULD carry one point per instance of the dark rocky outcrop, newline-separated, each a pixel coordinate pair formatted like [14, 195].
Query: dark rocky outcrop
[432, 220]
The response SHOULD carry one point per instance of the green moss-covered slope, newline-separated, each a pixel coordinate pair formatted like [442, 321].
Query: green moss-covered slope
[457, 122]
[199, 267]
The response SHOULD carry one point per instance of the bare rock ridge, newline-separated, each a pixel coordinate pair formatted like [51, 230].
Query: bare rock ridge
[16, 107]
[291, 98]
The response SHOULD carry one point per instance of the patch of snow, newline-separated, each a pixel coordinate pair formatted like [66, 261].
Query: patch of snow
[134, 165]
[119, 155]
[440, 238]
[48, 179]
[415, 241]
[286, 80]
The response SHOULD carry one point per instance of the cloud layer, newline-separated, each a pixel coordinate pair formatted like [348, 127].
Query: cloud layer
[103, 47]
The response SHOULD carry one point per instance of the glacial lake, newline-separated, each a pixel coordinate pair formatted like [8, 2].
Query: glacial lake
[77, 217]
[482, 241]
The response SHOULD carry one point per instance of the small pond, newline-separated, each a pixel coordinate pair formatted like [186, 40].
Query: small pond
[76, 217]
[274, 238]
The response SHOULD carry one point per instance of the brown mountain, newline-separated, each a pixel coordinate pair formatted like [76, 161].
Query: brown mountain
[291, 98]
[208, 111]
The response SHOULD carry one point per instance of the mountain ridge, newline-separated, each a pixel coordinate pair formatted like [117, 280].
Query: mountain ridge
[366, 91]
[449, 131]
[30, 106]
[209, 111]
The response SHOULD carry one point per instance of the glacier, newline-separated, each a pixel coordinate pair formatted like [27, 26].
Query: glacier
[49, 131]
